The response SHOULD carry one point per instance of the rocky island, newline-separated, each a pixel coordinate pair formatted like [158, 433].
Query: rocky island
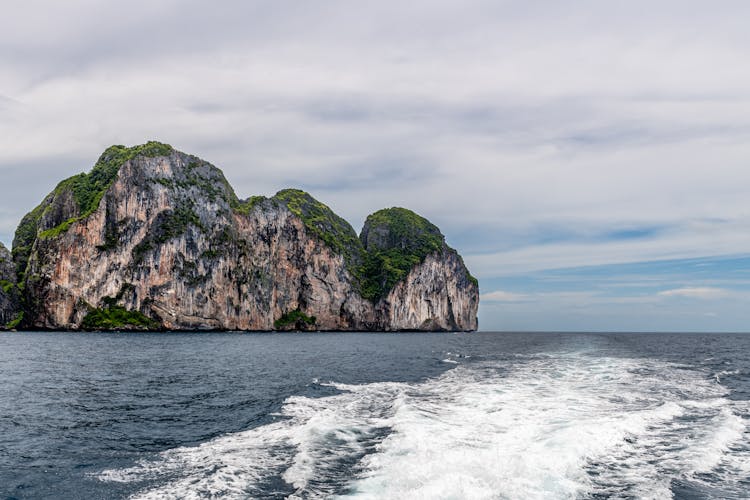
[10, 304]
[153, 238]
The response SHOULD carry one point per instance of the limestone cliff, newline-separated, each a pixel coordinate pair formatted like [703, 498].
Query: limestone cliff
[10, 305]
[153, 238]
[421, 282]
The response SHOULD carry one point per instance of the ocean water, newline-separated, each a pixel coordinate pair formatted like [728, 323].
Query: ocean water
[375, 416]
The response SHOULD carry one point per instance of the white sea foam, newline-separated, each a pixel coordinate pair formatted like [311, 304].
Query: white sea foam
[724, 373]
[560, 426]
[535, 433]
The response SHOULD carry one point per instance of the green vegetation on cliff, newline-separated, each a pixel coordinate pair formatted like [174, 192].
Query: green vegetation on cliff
[15, 322]
[25, 237]
[297, 318]
[59, 229]
[323, 223]
[245, 206]
[403, 229]
[7, 286]
[114, 317]
[395, 239]
[10, 304]
[86, 191]
[10, 295]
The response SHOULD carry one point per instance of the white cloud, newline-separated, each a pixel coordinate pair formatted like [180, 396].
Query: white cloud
[502, 296]
[696, 293]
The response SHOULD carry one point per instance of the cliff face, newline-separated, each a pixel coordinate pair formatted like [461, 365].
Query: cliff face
[435, 295]
[155, 238]
[421, 283]
[10, 305]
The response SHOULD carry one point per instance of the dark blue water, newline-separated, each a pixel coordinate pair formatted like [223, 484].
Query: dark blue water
[481, 415]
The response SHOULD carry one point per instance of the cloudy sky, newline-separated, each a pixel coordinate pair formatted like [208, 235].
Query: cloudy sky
[590, 159]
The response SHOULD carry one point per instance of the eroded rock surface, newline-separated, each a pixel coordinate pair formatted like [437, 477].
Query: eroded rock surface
[10, 305]
[155, 238]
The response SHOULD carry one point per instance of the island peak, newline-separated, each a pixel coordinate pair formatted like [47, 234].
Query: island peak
[153, 238]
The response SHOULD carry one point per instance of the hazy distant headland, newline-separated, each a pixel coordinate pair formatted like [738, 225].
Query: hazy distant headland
[153, 238]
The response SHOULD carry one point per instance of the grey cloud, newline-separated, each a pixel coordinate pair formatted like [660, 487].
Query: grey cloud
[378, 173]
[499, 120]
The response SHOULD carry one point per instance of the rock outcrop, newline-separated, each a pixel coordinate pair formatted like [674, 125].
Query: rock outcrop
[10, 300]
[153, 238]
[421, 283]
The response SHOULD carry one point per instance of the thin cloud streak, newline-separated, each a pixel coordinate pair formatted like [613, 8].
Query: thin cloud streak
[695, 293]
[502, 296]
[694, 240]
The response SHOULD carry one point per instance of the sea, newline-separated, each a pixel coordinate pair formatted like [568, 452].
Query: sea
[374, 415]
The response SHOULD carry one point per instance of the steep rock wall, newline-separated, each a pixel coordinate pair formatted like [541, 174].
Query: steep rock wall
[166, 243]
[436, 295]
[10, 305]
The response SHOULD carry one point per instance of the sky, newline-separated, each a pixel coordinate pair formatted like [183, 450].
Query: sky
[589, 159]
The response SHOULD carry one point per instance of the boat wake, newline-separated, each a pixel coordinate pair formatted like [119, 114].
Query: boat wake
[567, 425]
